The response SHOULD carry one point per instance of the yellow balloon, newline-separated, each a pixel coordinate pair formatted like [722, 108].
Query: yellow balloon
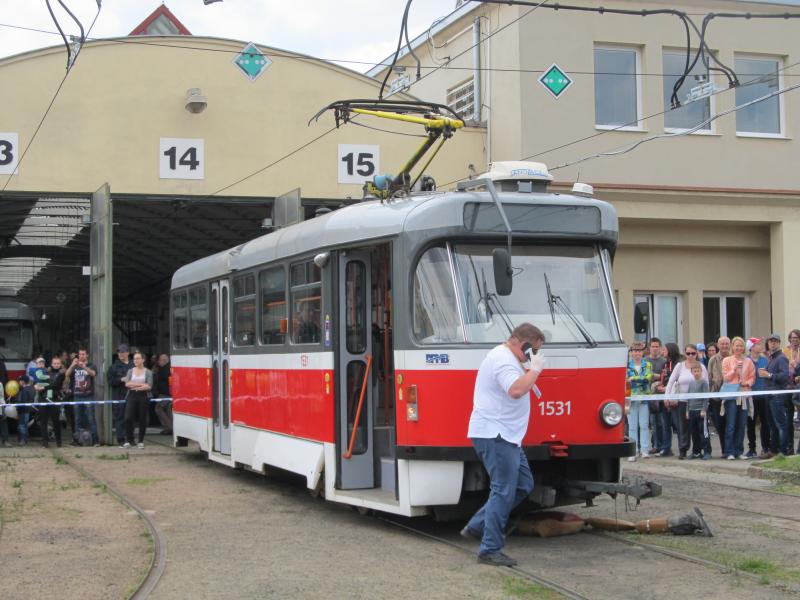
[12, 389]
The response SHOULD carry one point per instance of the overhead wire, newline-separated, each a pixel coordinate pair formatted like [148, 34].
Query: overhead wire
[70, 64]
[701, 125]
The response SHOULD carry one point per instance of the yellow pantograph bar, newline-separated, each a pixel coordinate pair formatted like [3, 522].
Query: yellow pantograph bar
[438, 123]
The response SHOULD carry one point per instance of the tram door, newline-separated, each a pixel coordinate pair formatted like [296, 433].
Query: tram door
[220, 366]
[355, 435]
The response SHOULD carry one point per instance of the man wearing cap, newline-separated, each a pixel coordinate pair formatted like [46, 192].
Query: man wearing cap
[500, 415]
[777, 375]
[116, 372]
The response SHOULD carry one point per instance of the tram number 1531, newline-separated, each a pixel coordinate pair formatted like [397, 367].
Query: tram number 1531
[555, 408]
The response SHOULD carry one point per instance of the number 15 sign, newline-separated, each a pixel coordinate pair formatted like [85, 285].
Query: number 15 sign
[358, 163]
[181, 158]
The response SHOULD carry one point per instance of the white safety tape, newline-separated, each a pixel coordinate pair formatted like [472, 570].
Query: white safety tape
[76, 402]
[709, 395]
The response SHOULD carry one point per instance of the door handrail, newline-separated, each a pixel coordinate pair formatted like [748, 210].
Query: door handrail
[349, 452]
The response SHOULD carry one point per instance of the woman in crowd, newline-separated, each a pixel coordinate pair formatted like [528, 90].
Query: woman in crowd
[792, 352]
[639, 375]
[711, 350]
[673, 356]
[678, 383]
[738, 375]
[139, 381]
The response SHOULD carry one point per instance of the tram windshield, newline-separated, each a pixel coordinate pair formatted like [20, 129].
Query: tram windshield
[16, 339]
[455, 299]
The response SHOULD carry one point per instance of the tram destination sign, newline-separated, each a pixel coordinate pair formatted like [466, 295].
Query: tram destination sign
[555, 81]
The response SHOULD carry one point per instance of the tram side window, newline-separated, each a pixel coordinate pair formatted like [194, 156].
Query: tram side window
[244, 310]
[180, 321]
[198, 317]
[272, 284]
[434, 308]
[306, 299]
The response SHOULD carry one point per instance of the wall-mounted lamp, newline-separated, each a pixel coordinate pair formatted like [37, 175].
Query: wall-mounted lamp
[195, 101]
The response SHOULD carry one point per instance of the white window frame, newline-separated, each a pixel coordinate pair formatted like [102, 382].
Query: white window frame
[781, 106]
[723, 310]
[639, 114]
[712, 101]
[653, 325]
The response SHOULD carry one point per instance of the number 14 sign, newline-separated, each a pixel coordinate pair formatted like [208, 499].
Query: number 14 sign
[181, 158]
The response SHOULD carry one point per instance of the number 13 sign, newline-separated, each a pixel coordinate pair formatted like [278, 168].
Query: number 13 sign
[181, 158]
[9, 153]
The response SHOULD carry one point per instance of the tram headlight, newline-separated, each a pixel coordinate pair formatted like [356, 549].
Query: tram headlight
[611, 413]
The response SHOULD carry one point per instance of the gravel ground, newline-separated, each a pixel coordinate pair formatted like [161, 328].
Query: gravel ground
[235, 534]
[62, 537]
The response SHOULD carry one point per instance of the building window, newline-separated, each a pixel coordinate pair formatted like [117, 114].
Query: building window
[689, 114]
[759, 77]
[658, 315]
[461, 99]
[244, 310]
[306, 295]
[724, 314]
[273, 306]
[616, 87]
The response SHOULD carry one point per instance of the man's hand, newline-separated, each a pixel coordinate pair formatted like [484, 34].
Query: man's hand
[537, 363]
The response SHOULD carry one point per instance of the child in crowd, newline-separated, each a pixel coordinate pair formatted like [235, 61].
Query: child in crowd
[698, 408]
[639, 375]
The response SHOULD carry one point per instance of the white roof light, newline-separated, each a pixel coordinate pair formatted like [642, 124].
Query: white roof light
[517, 170]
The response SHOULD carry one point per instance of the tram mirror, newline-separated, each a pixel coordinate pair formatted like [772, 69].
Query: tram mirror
[501, 262]
[641, 317]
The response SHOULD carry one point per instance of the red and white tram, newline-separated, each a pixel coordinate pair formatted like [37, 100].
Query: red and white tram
[345, 348]
[16, 335]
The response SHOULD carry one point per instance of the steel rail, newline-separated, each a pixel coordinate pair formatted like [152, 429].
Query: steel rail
[567, 592]
[159, 561]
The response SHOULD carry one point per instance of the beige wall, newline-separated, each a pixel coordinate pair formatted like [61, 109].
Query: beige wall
[121, 98]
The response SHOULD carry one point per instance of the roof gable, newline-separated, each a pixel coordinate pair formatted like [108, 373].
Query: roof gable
[161, 22]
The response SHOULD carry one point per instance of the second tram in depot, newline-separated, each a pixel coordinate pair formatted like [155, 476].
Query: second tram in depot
[16, 335]
[345, 348]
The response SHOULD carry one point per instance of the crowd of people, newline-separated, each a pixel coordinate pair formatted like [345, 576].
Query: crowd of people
[727, 366]
[71, 378]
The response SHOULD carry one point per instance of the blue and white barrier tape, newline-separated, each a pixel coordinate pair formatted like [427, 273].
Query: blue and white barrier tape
[76, 402]
[709, 395]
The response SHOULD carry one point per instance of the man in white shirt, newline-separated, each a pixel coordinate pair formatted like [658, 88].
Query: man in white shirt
[500, 414]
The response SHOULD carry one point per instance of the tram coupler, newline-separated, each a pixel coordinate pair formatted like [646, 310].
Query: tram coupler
[639, 488]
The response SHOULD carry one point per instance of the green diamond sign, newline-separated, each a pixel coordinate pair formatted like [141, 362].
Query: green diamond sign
[555, 80]
[251, 61]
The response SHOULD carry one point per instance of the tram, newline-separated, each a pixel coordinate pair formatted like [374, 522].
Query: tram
[345, 348]
[16, 335]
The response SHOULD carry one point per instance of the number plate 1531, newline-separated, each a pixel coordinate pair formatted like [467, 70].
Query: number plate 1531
[555, 408]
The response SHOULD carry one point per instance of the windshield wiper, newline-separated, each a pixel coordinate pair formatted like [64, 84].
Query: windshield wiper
[549, 299]
[558, 301]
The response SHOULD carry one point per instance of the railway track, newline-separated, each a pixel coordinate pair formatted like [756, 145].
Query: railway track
[159, 560]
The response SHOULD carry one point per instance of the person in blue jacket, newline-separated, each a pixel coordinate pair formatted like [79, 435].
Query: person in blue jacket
[778, 377]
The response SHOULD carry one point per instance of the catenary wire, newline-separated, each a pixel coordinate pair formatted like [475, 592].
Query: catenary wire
[630, 147]
[53, 99]
[278, 54]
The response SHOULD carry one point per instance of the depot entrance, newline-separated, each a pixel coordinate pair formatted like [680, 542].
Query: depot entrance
[51, 246]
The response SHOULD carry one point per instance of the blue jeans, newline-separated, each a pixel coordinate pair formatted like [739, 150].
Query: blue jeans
[84, 418]
[639, 425]
[23, 415]
[511, 482]
[658, 425]
[735, 427]
[777, 424]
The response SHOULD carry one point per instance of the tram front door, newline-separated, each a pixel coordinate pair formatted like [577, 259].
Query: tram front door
[355, 435]
[220, 366]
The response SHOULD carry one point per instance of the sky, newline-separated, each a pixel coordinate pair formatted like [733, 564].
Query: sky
[360, 30]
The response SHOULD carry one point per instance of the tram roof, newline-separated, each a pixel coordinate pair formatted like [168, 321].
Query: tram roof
[368, 221]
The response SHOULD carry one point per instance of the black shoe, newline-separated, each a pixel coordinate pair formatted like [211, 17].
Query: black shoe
[470, 535]
[496, 559]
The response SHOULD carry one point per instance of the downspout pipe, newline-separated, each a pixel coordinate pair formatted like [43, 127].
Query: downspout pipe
[476, 68]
